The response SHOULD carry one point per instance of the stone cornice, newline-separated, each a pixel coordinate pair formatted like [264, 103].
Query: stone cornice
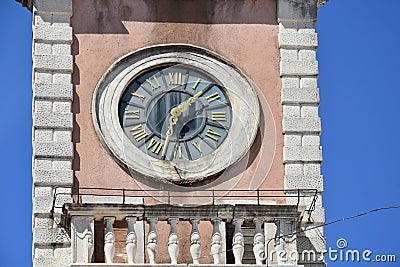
[26, 3]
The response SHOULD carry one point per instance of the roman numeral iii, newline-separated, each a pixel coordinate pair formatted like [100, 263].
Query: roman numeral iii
[218, 116]
[212, 134]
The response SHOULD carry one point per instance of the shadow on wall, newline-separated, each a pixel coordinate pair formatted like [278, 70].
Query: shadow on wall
[106, 16]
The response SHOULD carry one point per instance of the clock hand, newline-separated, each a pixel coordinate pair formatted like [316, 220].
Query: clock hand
[172, 121]
[176, 112]
[182, 107]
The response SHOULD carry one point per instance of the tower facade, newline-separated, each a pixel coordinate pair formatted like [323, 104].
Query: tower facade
[183, 132]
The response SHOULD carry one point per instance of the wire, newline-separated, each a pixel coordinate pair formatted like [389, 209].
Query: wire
[319, 226]
[332, 222]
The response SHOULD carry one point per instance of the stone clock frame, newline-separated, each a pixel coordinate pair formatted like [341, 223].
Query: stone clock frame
[239, 90]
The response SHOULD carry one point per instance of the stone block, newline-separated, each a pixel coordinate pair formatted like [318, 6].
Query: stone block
[44, 204]
[43, 106]
[290, 82]
[298, 40]
[291, 111]
[301, 125]
[310, 140]
[53, 149]
[52, 34]
[304, 182]
[62, 77]
[52, 262]
[53, 62]
[62, 106]
[292, 139]
[43, 135]
[62, 135]
[43, 76]
[297, 10]
[53, 177]
[299, 67]
[289, 54]
[53, 6]
[302, 153]
[53, 91]
[318, 215]
[310, 169]
[309, 82]
[309, 54]
[45, 236]
[309, 111]
[53, 120]
[61, 49]
[42, 48]
[294, 169]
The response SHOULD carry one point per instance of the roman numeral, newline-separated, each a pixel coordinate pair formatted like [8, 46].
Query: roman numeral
[138, 132]
[132, 114]
[138, 95]
[153, 82]
[156, 145]
[212, 134]
[218, 116]
[196, 83]
[213, 97]
[197, 146]
[178, 152]
[175, 78]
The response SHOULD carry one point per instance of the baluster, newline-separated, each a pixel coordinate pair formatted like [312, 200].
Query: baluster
[238, 241]
[216, 241]
[109, 239]
[131, 239]
[195, 246]
[259, 240]
[82, 242]
[173, 242]
[152, 240]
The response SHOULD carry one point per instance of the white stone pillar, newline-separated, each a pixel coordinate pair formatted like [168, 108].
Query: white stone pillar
[82, 239]
[216, 241]
[258, 244]
[195, 246]
[109, 239]
[238, 241]
[173, 241]
[152, 240]
[131, 239]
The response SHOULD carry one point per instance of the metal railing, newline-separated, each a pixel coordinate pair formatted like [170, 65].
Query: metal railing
[207, 196]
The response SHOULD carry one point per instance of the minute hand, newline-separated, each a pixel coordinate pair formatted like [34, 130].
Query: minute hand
[185, 105]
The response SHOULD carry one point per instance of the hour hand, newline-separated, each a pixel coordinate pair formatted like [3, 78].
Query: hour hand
[172, 121]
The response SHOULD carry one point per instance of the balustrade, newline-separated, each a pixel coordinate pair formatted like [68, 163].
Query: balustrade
[82, 219]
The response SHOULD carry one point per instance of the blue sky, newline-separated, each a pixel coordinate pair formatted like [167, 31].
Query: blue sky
[359, 60]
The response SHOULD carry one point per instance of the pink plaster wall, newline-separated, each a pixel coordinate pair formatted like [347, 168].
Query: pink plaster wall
[243, 31]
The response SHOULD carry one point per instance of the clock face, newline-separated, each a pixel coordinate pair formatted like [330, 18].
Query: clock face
[175, 113]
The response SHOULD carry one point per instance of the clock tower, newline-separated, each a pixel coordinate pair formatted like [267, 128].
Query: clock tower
[176, 132]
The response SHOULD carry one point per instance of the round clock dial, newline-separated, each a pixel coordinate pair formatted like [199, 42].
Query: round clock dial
[175, 113]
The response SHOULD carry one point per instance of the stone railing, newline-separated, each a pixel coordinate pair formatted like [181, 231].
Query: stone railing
[82, 218]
